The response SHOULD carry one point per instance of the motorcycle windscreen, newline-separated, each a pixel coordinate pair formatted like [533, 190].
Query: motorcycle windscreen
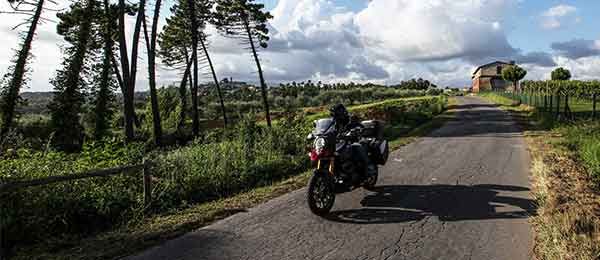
[324, 126]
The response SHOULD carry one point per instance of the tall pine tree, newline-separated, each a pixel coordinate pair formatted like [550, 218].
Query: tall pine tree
[9, 94]
[246, 20]
[76, 27]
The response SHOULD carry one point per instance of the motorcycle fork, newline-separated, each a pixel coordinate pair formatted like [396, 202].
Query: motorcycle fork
[331, 168]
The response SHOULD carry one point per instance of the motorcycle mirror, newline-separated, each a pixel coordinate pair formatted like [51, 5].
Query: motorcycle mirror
[310, 137]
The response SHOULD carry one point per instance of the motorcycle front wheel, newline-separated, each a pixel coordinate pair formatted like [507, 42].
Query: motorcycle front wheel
[320, 195]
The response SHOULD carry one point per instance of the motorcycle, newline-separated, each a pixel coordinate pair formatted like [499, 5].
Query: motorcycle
[336, 152]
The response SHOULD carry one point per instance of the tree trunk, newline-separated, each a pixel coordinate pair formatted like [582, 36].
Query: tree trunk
[214, 75]
[263, 85]
[183, 94]
[151, 48]
[9, 101]
[129, 72]
[128, 108]
[194, 87]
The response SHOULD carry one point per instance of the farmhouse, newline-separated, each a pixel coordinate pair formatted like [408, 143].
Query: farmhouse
[489, 77]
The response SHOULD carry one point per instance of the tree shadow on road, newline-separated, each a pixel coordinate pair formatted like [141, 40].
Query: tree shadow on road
[473, 120]
[402, 203]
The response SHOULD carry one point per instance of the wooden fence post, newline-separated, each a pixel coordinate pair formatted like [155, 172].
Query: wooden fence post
[147, 185]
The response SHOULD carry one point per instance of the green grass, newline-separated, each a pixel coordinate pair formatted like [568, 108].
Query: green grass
[155, 229]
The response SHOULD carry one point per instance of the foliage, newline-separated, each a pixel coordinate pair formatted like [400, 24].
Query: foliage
[561, 74]
[513, 74]
[574, 88]
[76, 28]
[244, 18]
[169, 107]
[13, 81]
[70, 207]
[103, 96]
[241, 17]
[584, 138]
[247, 156]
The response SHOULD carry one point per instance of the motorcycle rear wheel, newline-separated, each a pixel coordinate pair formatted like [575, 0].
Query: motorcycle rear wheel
[320, 194]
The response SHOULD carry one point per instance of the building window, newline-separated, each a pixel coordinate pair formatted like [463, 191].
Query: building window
[499, 70]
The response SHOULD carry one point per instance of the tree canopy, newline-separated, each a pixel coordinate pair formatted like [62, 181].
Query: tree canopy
[514, 74]
[561, 74]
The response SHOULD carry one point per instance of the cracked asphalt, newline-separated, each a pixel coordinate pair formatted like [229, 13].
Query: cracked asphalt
[459, 193]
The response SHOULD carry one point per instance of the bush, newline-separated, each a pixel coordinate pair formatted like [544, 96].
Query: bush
[221, 165]
[255, 156]
[69, 207]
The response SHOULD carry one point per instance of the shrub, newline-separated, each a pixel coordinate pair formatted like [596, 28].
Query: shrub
[68, 207]
[224, 163]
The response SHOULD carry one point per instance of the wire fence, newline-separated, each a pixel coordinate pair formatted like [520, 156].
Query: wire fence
[567, 100]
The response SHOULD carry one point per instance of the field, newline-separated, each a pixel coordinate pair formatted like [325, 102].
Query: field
[248, 156]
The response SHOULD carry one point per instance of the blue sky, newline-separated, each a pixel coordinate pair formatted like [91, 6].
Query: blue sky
[380, 41]
[526, 33]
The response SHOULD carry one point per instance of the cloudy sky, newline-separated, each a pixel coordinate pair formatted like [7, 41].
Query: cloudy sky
[383, 41]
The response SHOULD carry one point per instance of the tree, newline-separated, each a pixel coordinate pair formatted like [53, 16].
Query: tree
[194, 88]
[103, 95]
[176, 40]
[205, 14]
[246, 19]
[561, 74]
[129, 71]
[151, 50]
[9, 95]
[514, 74]
[76, 27]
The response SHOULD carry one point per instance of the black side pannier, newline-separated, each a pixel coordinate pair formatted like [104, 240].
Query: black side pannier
[380, 151]
[373, 129]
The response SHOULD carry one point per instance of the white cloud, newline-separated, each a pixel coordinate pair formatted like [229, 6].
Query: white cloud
[434, 30]
[553, 18]
[386, 42]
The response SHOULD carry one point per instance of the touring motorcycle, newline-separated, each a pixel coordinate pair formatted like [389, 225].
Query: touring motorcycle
[346, 154]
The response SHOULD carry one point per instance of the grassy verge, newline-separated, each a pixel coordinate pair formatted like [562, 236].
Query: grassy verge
[156, 229]
[565, 174]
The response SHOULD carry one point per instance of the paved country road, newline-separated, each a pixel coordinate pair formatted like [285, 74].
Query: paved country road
[459, 193]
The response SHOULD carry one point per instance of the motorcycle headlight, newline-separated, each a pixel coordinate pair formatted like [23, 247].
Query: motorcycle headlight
[319, 144]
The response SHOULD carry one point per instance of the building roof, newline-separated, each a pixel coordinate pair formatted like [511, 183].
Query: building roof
[490, 64]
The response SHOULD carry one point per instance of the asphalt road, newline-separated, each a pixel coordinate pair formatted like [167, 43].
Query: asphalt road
[459, 193]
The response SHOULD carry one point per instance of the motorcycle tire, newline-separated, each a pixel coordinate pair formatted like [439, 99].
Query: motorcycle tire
[320, 194]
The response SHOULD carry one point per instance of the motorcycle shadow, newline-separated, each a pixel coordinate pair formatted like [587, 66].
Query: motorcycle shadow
[403, 203]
